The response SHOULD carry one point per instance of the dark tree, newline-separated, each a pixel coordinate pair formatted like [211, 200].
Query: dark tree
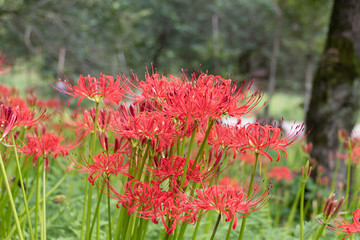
[336, 94]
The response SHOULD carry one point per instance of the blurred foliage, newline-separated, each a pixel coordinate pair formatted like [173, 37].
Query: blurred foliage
[111, 36]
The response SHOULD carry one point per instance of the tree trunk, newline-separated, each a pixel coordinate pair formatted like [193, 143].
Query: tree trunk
[335, 95]
[274, 56]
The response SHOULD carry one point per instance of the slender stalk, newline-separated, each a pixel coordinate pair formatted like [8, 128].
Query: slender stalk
[109, 212]
[302, 210]
[229, 229]
[293, 208]
[318, 235]
[183, 177]
[44, 199]
[249, 192]
[196, 230]
[96, 213]
[22, 187]
[216, 226]
[93, 143]
[11, 198]
[33, 208]
[202, 146]
[37, 204]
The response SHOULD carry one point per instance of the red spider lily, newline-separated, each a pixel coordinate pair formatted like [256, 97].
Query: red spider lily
[221, 137]
[8, 119]
[103, 164]
[149, 201]
[138, 197]
[342, 226]
[157, 87]
[156, 126]
[280, 173]
[172, 168]
[4, 64]
[260, 139]
[176, 207]
[85, 121]
[201, 97]
[30, 118]
[231, 201]
[13, 117]
[46, 145]
[95, 89]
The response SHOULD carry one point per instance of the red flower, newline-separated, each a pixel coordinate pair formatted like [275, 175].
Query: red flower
[13, 117]
[342, 226]
[85, 121]
[172, 168]
[110, 165]
[8, 119]
[95, 89]
[149, 201]
[154, 126]
[260, 139]
[46, 145]
[210, 96]
[231, 201]
[280, 173]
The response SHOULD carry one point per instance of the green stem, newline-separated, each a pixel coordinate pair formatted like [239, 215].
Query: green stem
[229, 229]
[318, 235]
[216, 226]
[37, 204]
[109, 213]
[195, 231]
[93, 143]
[44, 199]
[22, 186]
[33, 208]
[293, 208]
[248, 194]
[201, 149]
[302, 210]
[183, 177]
[96, 213]
[11, 198]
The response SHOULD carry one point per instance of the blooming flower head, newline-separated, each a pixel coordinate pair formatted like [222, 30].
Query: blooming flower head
[150, 201]
[105, 87]
[46, 145]
[230, 201]
[260, 139]
[103, 164]
[280, 173]
[157, 127]
[342, 226]
[86, 119]
[173, 168]
[13, 117]
[8, 119]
